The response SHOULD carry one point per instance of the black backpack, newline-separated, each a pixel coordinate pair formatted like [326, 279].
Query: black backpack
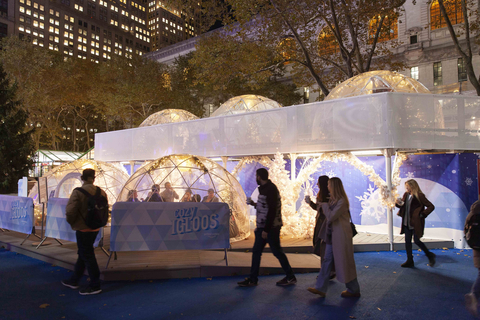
[97, 214]
[472, 232]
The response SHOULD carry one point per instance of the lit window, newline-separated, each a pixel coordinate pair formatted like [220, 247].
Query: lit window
[35, 23]
[22, 9]
[437, 74]
[42, 8]
[388, 31]
[21, 27]
[327, 43]
[454, 13]
[462, 70]
[414, 72]
[42, 17]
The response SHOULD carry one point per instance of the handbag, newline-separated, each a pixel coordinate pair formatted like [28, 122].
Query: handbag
[352, 225]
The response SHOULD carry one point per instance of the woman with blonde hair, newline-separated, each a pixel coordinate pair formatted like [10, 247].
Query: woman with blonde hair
[338, 235]
[414, 208]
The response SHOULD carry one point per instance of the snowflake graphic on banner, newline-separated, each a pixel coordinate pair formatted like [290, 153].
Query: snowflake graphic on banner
[330, 174]
[410, 175]
[371, 204]
[469, 182]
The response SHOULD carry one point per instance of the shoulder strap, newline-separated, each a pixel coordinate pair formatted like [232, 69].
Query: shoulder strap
[85, 192]
[98, 192]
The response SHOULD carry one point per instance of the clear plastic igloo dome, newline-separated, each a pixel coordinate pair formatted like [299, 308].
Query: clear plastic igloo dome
[245, 103]
[168, 116]
[63, 179]
[191, 177]
[376, 82]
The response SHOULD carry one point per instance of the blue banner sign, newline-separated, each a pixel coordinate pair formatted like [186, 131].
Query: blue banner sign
[57, 225]
[148, 226]
[16, 213]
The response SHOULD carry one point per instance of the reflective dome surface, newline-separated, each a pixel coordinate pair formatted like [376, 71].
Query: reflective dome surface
[190, 177]
[168, 116]
[245, 103]
[63, 179]
[376, 82]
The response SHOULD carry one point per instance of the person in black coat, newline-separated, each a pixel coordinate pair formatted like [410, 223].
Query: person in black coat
[154, 196]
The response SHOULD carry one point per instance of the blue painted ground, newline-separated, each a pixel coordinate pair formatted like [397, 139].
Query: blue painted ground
[388, 292]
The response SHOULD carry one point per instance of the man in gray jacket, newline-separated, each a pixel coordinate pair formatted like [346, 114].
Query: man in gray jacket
[77, 209]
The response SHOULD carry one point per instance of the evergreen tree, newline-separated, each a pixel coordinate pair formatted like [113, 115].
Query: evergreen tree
[16, 144]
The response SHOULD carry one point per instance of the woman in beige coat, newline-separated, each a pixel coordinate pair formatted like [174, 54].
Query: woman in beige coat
[337, 233]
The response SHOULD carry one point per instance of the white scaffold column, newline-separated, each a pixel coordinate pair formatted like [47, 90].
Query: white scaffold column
[388, 177]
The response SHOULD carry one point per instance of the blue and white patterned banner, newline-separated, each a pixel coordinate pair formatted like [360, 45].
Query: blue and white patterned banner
[57, 225]
[16, 213]
[145, 226]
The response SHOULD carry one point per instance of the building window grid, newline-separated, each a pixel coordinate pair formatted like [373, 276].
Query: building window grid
[454, 12]
[462, 70]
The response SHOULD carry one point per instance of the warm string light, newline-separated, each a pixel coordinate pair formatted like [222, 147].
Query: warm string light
[301, 223]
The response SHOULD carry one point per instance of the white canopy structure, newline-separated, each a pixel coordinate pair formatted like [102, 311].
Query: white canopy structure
[398, 121]
[386, 123]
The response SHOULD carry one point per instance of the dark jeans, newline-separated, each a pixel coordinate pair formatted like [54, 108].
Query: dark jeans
[273, 240]
[408, 242]
[476, 286]
[86, 259]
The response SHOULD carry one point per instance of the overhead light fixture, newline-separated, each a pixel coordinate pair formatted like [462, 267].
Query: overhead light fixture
[367, 152]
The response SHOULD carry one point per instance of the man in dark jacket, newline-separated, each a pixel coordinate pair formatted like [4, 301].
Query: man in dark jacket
[76, 213]
[269, 223]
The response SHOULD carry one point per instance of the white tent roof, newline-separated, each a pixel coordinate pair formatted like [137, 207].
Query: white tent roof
[375, 121]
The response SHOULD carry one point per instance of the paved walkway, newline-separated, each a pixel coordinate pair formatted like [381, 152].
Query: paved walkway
[31, 289]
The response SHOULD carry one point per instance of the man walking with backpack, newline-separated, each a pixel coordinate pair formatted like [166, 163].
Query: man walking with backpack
[87, 212]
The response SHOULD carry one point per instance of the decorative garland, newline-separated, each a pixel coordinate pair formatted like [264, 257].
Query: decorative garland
[263, 160]
[300, 224]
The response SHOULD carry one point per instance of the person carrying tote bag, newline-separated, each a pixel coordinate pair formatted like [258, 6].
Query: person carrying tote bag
[339, 244]
[323, 195]
[414, 209]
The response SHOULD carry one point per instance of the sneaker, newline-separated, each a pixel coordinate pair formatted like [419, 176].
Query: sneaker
[248, 283]
[431, 259]
[287, 281]
[348, 294]
[471, 304]
[408, 264]
[315, 291]
[70, 284]
[89, 290]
